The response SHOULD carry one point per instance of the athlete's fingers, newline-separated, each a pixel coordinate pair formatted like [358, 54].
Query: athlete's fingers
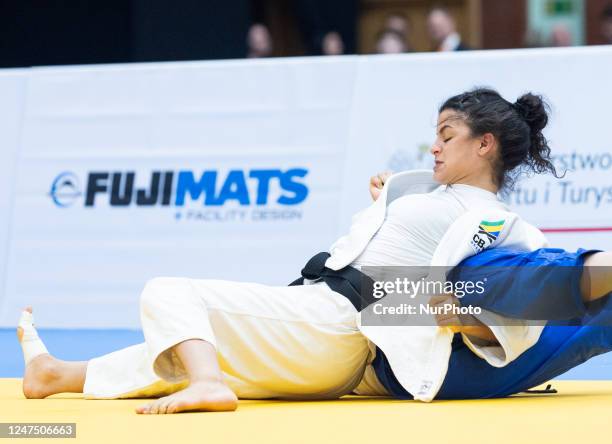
[448, 317]
[440, 299]
[376, 181]
[445, 317]
[381, 178]
[375, 187]
[446, 321]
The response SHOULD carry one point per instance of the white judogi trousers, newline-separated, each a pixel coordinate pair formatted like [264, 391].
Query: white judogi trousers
[299, 342]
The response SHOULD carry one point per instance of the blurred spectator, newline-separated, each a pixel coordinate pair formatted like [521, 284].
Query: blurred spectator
[400, 24]
[259, 41]
[328, 27]
[443, 32]
[397, 22]
[332, 44]
[560, 36]
[606, 24]
[390, 42]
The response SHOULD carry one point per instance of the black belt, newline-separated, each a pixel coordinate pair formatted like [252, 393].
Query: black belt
[348, 281]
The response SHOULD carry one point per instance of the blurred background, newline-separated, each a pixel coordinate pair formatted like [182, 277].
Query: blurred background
[32, 32]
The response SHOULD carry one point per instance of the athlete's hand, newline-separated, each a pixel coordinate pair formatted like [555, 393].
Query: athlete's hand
[377, 182]
[450, 320]
[460, 323]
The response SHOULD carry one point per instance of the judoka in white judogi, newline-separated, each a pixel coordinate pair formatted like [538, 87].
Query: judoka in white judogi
[307, 342]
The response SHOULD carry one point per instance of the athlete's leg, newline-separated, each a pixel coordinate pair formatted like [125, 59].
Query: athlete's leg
[269, 342]
[284, 342]
[46, 375]
[124, 373]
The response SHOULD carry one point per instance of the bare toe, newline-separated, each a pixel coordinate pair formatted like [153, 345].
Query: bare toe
[172, 407]
[163, 408]
[143, 409]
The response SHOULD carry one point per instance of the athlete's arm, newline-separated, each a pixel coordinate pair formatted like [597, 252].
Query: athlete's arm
[466, 324]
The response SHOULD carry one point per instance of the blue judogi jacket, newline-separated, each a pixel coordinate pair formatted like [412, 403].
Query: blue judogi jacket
[549, 284]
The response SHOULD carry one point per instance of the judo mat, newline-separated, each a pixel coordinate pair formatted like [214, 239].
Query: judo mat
[578, 413]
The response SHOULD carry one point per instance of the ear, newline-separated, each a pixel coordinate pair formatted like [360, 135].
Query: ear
[487, 144]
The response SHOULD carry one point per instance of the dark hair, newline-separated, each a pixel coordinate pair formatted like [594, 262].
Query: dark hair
[606, 14]
[516, 126]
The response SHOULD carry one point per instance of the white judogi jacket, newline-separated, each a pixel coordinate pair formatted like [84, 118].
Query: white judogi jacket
[419, 355]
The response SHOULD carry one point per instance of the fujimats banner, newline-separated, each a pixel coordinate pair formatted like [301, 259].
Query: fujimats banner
[242, 170]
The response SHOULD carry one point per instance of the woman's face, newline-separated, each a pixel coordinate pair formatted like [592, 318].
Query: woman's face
[458, 155]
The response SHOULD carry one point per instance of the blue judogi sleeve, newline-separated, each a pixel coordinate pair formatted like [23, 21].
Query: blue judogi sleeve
[540, 285]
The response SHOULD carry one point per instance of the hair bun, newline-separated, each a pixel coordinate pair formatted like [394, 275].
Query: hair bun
[533, 110]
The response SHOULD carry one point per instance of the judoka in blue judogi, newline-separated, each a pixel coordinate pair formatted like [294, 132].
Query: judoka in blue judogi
[540, 285]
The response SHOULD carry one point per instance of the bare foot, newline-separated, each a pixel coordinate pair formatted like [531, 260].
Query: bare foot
[198, 396]
[42, 371]
[43, 377]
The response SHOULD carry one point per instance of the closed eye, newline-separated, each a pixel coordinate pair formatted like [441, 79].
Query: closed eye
[446, 141]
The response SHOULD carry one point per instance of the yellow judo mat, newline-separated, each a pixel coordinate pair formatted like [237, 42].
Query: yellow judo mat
[580, 413]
